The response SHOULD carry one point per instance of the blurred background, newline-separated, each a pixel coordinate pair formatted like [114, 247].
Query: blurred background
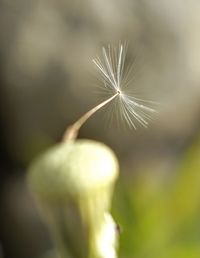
[47, 81]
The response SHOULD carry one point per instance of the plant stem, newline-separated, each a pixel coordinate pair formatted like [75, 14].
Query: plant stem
[72, 131]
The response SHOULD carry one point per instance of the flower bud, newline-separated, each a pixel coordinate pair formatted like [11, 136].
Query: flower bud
[73, 185]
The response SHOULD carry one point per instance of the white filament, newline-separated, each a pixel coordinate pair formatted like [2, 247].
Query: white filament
[112, 68]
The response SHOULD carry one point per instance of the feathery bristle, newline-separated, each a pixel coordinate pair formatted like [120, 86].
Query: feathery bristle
[116, 76]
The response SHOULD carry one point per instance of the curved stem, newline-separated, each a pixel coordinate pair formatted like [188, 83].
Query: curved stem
[72, 131]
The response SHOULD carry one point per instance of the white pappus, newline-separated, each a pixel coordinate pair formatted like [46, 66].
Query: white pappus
[116, 76]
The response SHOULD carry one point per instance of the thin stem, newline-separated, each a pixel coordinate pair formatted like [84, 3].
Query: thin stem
[72, 131]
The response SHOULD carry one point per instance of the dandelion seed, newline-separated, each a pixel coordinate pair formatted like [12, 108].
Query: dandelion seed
[116, 77]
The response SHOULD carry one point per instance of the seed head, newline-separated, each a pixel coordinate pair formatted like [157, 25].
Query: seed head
[116, 76]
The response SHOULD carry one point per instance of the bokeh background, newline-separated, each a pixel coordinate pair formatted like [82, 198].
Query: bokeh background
[47, 80]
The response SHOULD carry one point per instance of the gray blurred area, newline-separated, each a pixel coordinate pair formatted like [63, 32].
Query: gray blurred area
[47, 81]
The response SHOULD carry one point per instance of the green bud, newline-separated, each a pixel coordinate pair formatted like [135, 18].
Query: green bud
[73, 185]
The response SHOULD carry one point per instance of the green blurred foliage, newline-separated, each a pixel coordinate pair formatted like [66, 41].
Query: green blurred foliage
[160, 216]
